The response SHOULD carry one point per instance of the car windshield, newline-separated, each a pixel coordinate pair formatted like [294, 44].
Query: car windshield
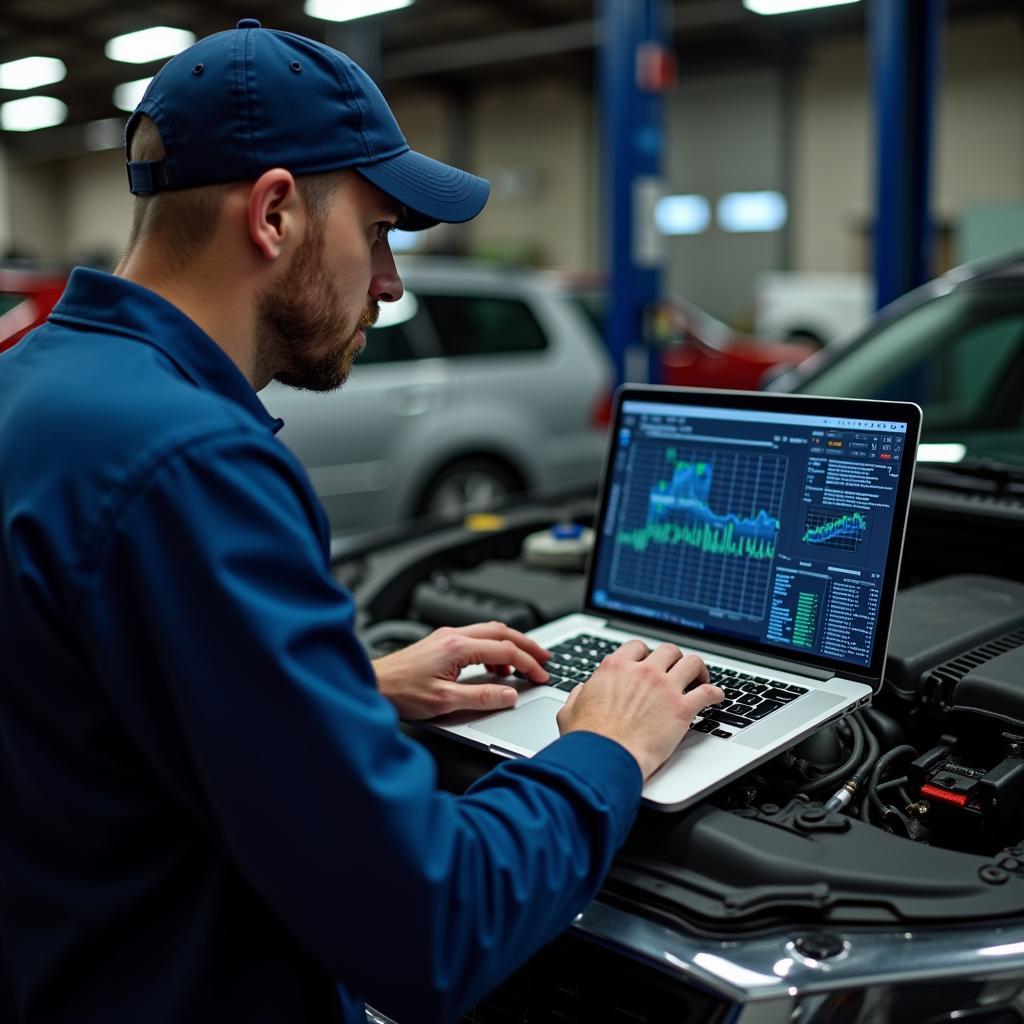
[959, 355]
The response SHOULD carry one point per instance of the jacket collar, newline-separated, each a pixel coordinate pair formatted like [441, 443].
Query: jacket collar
[101, 301]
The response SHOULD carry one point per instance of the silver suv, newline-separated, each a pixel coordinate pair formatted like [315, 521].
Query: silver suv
[478, 383]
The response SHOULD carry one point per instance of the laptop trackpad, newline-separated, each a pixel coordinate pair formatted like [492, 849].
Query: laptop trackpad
[532, 726]
[776, 726]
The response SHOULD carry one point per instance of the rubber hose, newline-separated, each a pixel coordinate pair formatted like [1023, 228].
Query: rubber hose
[879, 770]
[861, 775]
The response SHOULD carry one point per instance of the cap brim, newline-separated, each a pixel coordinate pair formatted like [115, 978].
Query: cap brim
[431, 192]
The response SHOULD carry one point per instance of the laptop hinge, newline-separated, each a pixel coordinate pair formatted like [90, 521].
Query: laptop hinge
[782, 664]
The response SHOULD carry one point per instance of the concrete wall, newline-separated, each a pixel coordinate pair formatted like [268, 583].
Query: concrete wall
[534, 140]
[832, 162]
[99, 207]
[725, 134]
[980, 151]
[38, 210]
[5, 204]
[979, 143]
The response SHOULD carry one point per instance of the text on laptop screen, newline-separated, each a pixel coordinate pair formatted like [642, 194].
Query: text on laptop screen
[751, 525]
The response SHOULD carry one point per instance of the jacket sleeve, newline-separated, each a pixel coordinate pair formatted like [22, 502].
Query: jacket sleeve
[229, 653]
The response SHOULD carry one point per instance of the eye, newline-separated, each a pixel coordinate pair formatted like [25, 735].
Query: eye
[384, 228]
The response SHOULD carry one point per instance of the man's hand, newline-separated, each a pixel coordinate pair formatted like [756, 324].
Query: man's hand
[421, 680]
[637, 698]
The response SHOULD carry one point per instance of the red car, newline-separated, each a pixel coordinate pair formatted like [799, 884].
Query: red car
[26, 298]
[703, 352]
[699, 351]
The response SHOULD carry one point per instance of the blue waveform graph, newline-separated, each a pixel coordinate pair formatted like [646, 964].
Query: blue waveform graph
[699, 527]
[687, 494]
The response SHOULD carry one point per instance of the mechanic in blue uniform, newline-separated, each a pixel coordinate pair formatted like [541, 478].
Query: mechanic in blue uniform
[207, 809]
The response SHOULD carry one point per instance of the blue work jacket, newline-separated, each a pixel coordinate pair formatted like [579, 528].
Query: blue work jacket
[207, 809]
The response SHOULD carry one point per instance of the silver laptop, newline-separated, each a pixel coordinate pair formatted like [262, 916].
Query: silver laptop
[763, 532]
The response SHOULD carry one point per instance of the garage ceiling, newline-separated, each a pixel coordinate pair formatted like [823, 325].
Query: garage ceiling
[454, 43]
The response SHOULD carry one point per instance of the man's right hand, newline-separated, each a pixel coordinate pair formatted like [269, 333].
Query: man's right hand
[636, 698]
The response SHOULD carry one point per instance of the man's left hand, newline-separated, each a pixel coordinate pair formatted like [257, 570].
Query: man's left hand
[421, 680]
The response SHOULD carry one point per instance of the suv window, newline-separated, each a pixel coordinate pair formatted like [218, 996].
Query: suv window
[8, 300]
[960, 356]
[478, 325]
[387, 345]
[17, 314]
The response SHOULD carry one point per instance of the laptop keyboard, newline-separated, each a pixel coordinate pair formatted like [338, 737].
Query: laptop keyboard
[748, 698]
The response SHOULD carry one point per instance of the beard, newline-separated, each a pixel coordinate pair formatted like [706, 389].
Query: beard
[300, 321]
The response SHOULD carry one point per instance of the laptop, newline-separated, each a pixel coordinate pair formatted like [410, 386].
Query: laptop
[761, 531]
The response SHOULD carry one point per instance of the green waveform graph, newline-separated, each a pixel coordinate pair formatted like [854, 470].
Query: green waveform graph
[703, 537]
[826, 528]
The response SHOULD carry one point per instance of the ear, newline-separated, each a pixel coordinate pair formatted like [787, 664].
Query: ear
[276, 213]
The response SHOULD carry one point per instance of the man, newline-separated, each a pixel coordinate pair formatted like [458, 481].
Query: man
[209, 813]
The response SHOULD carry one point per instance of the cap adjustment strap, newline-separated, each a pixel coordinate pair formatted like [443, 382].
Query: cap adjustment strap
[145, 176]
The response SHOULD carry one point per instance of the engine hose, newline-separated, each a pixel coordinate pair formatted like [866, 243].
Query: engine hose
[839, 774]
[874, 800]
[860, 776]
[891, 784]
[900, 786]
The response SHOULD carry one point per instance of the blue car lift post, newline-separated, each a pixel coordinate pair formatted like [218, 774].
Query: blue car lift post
[905, 38]
[636, 68]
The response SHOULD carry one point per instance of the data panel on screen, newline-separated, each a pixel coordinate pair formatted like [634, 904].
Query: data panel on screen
[750, 525]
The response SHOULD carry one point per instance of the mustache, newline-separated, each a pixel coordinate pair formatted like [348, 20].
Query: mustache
[370, 315]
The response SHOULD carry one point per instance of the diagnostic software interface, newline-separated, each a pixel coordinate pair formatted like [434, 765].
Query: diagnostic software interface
[755, 526]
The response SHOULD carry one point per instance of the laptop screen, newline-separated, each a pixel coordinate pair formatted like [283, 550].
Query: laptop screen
[767, 521]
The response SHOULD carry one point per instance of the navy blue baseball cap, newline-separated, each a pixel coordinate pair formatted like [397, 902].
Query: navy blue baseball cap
[240, 102]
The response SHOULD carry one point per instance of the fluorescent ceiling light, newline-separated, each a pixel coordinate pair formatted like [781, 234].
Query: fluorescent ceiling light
[789, 6]
[682, 215]
[148, 44]
[128, 95]
[31, 72]
[752, 211]
[349, 10]
[31, 113]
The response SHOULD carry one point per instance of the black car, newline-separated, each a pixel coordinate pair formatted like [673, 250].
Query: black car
[954, 346]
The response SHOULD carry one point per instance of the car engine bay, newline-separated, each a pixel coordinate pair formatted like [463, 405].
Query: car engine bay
[907, 814]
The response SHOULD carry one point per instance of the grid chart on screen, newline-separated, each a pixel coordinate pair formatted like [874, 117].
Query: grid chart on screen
[834, 528]
[697, 527]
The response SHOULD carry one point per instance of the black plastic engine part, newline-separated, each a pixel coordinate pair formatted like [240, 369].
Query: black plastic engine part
[993, 692]
[439, 603]
[391, 635]
[975, 794]
[943, 629]
[523, 596]
[725, 873]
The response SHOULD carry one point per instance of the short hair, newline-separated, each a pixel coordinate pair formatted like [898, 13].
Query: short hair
[184, 220]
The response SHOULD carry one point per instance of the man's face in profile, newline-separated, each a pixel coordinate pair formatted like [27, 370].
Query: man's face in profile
[311, 322]
[313, 327]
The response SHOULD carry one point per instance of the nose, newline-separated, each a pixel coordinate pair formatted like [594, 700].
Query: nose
[385, 281]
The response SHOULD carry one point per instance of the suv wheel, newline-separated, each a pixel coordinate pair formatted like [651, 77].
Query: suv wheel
[468, 485]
